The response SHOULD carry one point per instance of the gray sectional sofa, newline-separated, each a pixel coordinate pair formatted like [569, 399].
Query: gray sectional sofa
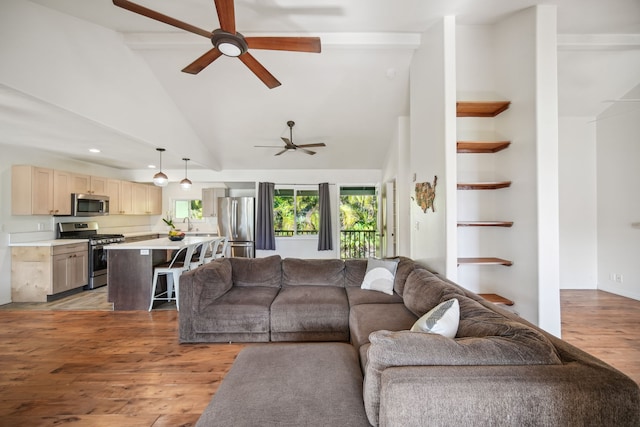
[345, 353]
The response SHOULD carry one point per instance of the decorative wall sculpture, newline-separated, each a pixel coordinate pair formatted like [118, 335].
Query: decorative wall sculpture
[425, 194]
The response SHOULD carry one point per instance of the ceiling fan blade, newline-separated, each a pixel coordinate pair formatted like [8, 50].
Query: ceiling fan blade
[268, 146]
[317, 144]
[296, 44]
[257, 69]
[201, 63]
[136, 8]
[306, 151]
[280, 152]
[226, 15]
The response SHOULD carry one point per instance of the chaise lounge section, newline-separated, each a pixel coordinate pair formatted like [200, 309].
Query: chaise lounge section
[498, 369]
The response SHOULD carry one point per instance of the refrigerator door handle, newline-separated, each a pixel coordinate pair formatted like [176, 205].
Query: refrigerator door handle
[234, 218]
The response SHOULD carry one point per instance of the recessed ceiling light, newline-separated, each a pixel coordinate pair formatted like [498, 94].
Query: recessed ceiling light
[151, 166]
[94, 150]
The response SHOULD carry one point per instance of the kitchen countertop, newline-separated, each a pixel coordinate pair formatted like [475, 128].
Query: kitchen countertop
[45, 243]
[161, 243]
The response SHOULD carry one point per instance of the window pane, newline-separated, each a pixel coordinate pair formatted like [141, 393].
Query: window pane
[307, 212]
[283, 213]
[181, 208]
[196, 209]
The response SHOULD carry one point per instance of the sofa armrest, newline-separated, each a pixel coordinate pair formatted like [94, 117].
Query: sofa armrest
[573, 394]
[199, 288]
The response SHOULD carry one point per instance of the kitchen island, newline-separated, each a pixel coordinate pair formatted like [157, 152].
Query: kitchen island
[130, 269]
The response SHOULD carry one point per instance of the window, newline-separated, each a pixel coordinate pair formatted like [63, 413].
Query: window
[187, 209]
[296, 212]
[358, 222]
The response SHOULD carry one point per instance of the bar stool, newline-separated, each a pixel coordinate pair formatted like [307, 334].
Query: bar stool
[212, 250]
[222, 253]
[172, 272]
[198, 256]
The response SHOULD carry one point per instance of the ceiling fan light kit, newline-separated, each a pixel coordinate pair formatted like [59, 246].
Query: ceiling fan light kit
[229, 44]
[160, 179]
[227, 41]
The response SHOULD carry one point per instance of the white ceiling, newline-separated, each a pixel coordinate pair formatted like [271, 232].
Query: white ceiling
[349, 96]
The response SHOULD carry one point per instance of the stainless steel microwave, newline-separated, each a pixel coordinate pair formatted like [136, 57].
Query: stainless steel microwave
[89, 205]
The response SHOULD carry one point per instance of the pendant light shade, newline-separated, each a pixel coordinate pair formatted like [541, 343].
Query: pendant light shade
[185, 183]
[160, 179]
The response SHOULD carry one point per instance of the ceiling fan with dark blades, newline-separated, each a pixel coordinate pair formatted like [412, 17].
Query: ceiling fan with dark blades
[289, 145]
[227, 41]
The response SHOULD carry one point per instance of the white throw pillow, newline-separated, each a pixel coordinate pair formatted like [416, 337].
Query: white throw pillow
[443, 319]
[380, 275]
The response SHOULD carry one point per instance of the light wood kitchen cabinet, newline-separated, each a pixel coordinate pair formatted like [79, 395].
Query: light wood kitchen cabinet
[39, 191]
[210, 200]
[147, 199]
[87, 184]
[114, 187]
[38, 273]
[44, 191]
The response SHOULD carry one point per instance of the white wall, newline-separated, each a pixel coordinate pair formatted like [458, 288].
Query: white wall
[85, 68]
[397, 167]
[578, 203]
[618, 176]
[432, 103]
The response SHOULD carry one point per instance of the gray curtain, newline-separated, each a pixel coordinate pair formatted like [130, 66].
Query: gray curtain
[265, 237]
[325, 239]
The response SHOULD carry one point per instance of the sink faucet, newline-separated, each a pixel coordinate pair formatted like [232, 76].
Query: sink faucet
[189, 225]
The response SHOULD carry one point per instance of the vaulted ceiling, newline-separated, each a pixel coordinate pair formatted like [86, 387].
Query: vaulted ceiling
[348, 97]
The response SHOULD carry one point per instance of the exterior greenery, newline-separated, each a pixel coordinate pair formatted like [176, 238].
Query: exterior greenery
[296, 213]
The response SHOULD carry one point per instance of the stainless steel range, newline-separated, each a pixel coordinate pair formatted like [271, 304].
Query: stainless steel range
[97, 254]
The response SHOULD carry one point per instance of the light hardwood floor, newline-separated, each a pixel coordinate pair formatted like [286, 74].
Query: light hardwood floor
[105, 368]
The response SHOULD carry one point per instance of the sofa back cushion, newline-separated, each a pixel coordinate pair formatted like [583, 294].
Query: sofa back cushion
[315, 272]
[354, 272]
[423, 291]
[257, 271]
[405, 267]
[212, 280]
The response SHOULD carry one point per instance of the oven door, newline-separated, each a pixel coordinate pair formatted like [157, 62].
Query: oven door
[98, 262]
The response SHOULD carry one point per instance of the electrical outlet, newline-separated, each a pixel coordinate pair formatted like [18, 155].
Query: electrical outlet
[619, 278]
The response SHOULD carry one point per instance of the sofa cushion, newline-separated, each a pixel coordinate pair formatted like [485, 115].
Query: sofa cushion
[423, 291]
[257, 271]
[240, 310]
[405, 267]
[380, 275]
[312, 272]
[211, 280]
[367, 318]
[363, 296]
[354, 271]
[307, 313]
[405, 348]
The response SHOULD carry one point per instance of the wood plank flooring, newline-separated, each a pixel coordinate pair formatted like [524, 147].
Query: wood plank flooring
[106, 368]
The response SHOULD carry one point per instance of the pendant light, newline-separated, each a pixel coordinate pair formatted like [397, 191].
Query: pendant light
[185, 183]
[160, 179]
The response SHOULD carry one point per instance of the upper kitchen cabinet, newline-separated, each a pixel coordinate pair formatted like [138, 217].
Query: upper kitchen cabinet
[210, 200]
[147, 199]
[40, 191]
[87, 184]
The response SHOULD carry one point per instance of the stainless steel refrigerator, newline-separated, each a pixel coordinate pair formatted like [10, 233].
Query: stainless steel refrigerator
[236, 221]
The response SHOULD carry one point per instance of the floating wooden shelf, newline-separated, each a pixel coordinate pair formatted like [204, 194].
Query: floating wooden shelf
[481, 147]
[485, 223]
[496, 299]
[483, 185]
[485, 261]
[480, 108]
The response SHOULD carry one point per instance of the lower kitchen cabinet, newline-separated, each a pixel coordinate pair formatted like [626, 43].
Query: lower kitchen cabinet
[40, 272]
